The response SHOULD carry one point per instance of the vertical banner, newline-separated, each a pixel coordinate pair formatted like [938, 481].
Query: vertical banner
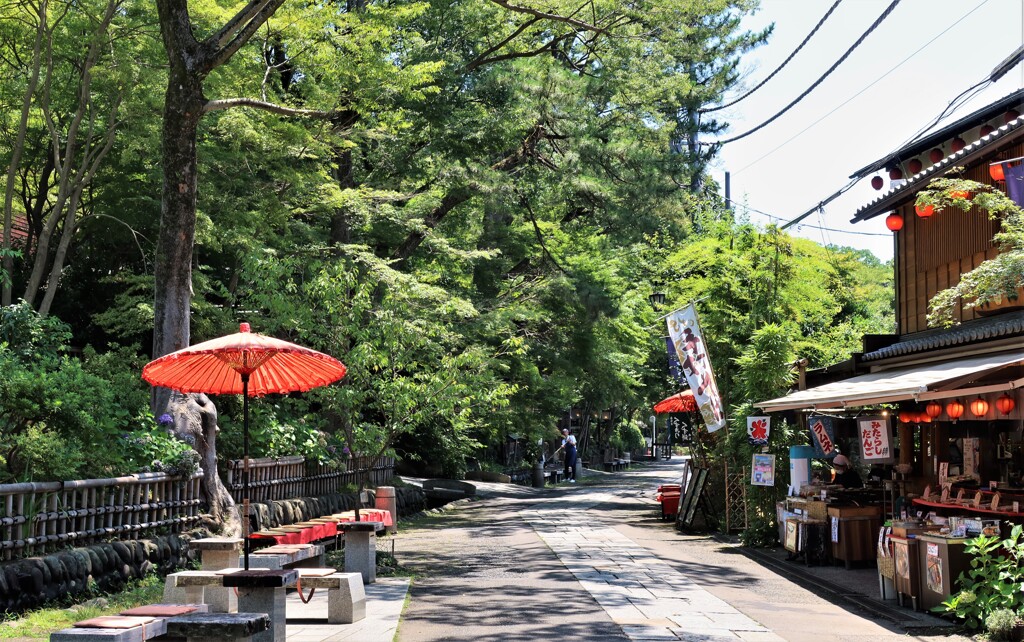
[758, 429]
[682, 431]
[823, 436]
[673, 362]
[875, 439]
[688, 341]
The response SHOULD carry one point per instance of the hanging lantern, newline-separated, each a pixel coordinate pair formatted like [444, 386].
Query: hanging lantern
[957, 144]
[1011, 115]
[923, 418]
[915, 166]
[894, 222]
[936, 155]
[979, 407]
[960, 193]
[934, 409]
[895, 174]
[954, 409]
[906, 417]
[878, 182]
[986, 130]
[995, 170]
[924, 211]
[1006, 404]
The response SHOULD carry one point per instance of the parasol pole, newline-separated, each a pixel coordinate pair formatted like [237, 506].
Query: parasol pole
[245, 469]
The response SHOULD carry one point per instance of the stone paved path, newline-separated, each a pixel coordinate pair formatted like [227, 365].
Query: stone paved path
[645, 596]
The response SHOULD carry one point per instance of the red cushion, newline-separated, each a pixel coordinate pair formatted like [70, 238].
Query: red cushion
[114, 622]
[161, 610]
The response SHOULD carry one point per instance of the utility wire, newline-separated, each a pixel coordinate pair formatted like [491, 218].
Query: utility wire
[772, 217]
[869, 86]
[779, 68]
[878, 21]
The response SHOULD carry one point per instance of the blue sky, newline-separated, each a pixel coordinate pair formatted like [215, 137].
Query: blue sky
[898, 81]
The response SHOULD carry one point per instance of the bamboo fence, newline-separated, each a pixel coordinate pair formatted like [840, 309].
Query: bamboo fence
[290, 477]
[41, 517]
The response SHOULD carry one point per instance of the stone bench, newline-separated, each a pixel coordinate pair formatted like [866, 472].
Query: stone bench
[134, 625]
[346, 597]
[218, 627]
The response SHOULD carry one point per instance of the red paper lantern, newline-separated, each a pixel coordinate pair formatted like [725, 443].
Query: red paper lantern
[1011, 115]
[895, 174]
[906, 417]
[957, 144]
[995, 170]
[954, 409]
[878, 182]
[985, 130]
[960, 193]
[1006, 404]
[924, 211]
[915, 166]
[936, 155]
[923, 418]
[894, 222]
[934, 409]
[979, 407]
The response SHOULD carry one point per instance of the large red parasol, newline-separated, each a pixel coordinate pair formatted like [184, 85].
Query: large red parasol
[248, 364]
[679, 402]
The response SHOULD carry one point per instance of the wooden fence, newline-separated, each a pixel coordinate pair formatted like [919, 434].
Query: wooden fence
[40, 517]
[288, 477]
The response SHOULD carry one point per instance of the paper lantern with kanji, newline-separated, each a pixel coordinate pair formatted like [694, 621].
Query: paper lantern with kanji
[1005, 404]
[894, 222]
[954, 409]
[934, 409]
[979, 407]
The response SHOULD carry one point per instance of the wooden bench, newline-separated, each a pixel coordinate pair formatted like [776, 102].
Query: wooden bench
[553, 476]
[134, 625]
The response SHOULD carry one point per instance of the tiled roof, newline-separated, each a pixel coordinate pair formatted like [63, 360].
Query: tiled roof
[919, 181]
[1005, 325]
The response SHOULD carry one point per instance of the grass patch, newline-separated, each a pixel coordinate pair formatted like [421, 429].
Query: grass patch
[38, 624]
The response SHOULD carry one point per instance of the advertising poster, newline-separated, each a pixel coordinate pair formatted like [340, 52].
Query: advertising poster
[693, 359]
[762, 470]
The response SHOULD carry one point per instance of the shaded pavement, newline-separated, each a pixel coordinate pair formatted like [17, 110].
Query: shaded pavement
[594, 562]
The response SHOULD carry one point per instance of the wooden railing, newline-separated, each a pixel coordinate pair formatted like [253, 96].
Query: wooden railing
[39, 517]
[289, 477]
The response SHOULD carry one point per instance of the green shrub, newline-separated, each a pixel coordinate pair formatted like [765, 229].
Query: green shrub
[993, 581]
[1001, 623]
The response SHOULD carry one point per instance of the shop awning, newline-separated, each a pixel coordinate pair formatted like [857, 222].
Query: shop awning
[923, 381]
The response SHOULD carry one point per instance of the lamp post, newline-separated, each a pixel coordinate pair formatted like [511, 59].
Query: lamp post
[657, 299]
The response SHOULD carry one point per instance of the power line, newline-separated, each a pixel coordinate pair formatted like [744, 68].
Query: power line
[779, 68]
[869, 86]
[874, 25]
[772, 217]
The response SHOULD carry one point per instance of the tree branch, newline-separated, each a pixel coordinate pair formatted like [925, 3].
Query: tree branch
[340, 117]
[483, 58]
[251, 18]
[579, 24]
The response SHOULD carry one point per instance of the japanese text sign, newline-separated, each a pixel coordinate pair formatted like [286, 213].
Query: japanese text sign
[823, 436]
[875, 439]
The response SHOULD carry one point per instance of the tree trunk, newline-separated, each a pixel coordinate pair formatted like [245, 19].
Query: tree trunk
[195, 421]
[7, 271]
[183, 107]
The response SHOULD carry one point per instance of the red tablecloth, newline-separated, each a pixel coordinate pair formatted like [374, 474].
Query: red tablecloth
[316, 532]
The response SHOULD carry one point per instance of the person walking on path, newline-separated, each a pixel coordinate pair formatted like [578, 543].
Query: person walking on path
[569, 444]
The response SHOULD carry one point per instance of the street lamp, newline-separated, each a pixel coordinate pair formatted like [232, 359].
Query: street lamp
[657, 299]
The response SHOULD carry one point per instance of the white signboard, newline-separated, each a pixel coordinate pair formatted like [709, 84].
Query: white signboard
[693, 358]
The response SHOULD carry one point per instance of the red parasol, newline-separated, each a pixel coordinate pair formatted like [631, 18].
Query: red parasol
[679, 402]
[248, 364]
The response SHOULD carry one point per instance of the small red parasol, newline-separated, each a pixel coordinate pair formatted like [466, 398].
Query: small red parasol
[248, 364]
[679, 402]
